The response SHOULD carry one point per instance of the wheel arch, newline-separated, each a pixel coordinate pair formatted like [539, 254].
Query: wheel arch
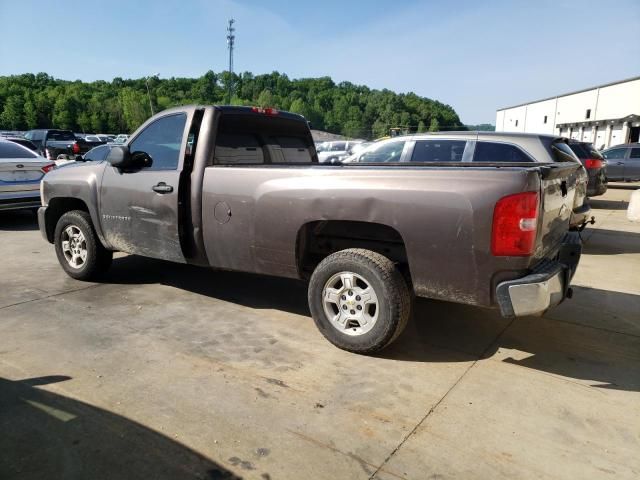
[318, 239]
[58, 206]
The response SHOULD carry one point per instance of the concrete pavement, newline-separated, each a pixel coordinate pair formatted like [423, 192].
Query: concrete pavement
[169, 371]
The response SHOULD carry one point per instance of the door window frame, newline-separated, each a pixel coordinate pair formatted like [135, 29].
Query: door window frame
[189, 112]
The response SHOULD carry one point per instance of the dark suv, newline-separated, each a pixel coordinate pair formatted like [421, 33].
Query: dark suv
[595, 165]
[623, 162]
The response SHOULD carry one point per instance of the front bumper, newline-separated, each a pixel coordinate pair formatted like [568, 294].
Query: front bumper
[545, 287]
[42, 223]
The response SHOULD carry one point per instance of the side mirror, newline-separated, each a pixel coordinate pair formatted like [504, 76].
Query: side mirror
[119, 157]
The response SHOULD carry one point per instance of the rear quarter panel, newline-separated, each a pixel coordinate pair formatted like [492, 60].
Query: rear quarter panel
[443, 215]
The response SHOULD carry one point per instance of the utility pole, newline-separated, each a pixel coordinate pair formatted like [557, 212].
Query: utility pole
[231, 38]
[149, 92]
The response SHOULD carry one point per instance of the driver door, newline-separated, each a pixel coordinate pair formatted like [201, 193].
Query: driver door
[139, 208]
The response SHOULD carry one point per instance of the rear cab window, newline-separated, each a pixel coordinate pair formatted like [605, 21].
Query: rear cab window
[254, 139]
[61, 136]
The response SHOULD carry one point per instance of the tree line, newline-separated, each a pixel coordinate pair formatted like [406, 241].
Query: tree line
[30, 101]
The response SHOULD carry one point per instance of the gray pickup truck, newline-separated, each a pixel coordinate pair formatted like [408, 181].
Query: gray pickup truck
[240, 188]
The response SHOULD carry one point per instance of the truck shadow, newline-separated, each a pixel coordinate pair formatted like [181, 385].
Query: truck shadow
[611, 242]
[18, 221]
[598, 204]
[46, 435]
[593, 338]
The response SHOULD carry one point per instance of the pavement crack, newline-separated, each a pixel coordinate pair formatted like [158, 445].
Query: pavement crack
[59, 294]
[435, 406]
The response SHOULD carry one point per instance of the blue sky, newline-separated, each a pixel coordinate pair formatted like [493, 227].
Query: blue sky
[476, 56]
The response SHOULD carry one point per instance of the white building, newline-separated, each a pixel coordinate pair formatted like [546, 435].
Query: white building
[605, 115]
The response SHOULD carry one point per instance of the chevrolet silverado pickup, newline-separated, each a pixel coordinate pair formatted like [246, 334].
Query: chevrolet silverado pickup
[240, 188]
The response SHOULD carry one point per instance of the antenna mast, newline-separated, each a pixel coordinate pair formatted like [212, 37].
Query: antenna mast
[231, 38]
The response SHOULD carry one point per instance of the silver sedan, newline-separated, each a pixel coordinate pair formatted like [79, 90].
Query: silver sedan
[21, 171]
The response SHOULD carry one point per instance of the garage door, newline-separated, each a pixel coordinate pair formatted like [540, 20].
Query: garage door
[616, 136]
[587, 135]
[575, 134]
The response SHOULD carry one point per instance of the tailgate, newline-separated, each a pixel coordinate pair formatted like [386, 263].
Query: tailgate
[561, 190]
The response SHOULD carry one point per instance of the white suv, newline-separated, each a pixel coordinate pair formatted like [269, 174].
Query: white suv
[335, 151]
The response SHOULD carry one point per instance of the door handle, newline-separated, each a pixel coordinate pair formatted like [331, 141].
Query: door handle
[162, 187]
[620, 163]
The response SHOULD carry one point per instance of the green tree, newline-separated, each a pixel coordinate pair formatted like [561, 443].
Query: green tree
[435, 125]
[12, 116]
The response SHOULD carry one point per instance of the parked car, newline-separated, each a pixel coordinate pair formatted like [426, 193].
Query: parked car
[463, 148]
[595, 165]
[623, 162]
[53, 143]
[96, 154]
[335, 151]
[21, 170]
[485, 233]
[121, 138]
[23, 141]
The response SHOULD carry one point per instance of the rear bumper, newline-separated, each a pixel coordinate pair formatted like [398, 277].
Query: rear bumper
[545, 287]
[19, 200]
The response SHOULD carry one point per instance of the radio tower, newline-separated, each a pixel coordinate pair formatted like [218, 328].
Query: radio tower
[231, 38]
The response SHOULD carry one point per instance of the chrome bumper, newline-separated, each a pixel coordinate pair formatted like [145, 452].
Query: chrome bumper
[545, 287]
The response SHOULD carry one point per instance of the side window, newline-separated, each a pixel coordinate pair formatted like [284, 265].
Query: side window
[338, 146]
[162, 141]
[96, 154]
[438, 151]
[238, 148]
[28, 135]
[385, 152]
[499, 152]
[635, 153]
[615, 153]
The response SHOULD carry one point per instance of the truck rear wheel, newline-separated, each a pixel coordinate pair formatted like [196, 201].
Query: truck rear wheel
[359, 300]
[78, 248]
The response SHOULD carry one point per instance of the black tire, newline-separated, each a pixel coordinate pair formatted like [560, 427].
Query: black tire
[394, 299]
[98, 259]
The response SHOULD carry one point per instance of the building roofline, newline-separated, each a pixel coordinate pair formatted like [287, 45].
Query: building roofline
[570, 93]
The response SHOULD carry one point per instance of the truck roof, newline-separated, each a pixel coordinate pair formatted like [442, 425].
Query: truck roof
[240, 110]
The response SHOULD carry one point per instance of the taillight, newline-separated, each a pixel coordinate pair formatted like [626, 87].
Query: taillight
[265, 111]
[48, 168]
[515, 220]
[76, 148]
[590, 163]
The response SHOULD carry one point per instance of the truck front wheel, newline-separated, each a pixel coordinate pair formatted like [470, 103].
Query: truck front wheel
[359, 300]
[78, 248]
